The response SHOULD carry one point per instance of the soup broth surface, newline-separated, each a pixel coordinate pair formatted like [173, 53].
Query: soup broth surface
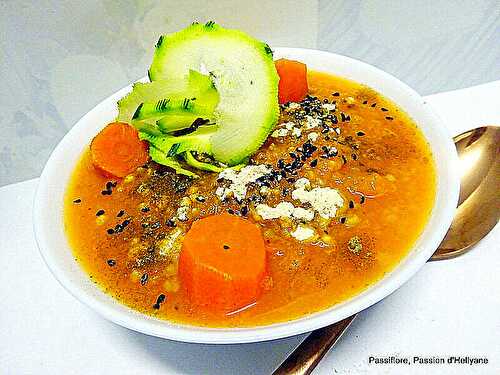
[127, 233]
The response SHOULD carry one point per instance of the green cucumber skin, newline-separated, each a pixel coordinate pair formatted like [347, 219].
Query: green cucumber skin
[249, 73]
[159, 157]
[185, 106]
[149, 100]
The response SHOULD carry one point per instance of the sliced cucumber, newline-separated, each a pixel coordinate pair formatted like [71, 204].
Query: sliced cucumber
[244, 75]
[178, 101]
[159, 157]
[198, 141]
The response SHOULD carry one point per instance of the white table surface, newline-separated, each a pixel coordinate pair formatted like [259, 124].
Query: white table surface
[448, 308]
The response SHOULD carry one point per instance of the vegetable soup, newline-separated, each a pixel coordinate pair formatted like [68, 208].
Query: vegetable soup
[333, 200]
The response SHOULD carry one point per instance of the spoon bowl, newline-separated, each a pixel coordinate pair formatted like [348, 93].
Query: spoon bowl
[478, 208]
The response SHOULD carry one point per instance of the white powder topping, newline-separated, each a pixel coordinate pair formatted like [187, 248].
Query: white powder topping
[302, 183]
[294, 105]
[289, 125]
[325, 201]
[296, 132]
[313, 136]
[284, 209]
[182, 213]
[302, 214]
[312, 122]
[279, 133]
[240, 180]
[303, 233]
[329, 106]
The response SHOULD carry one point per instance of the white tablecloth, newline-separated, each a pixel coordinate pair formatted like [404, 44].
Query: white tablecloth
[448, 308]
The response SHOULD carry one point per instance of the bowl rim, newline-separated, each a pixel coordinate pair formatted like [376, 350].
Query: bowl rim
[124, 316]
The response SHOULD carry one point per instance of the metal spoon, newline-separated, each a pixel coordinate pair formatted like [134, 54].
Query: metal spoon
[477, 214]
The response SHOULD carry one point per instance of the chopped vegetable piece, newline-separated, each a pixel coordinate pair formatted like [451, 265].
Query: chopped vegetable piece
[293, 80]
[187, 97]
[223, 262]
[244, 75]
[117, 150]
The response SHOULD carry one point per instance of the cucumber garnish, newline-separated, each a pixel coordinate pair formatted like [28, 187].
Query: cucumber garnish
[208, 72]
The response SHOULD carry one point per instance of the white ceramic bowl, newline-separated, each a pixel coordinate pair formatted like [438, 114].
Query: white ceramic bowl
[55, 250]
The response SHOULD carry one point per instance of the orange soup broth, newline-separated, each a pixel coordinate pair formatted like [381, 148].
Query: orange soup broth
[394, 171]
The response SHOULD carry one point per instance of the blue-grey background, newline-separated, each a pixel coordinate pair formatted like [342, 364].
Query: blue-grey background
[58, 58]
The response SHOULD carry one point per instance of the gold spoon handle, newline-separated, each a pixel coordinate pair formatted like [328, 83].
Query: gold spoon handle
[308, 354]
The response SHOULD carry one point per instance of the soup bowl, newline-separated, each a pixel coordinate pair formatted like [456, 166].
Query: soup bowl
[50, 233]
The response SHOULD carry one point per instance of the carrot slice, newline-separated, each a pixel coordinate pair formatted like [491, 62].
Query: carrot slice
[293, 80]
[222, 262]
[117, 150]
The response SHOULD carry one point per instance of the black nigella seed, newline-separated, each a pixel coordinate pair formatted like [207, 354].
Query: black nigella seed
[373, 105]
[145, 209]
[170, 223]
[225, 247]
[275, 174]
[354, 157]
[362, 199]
[230, 211]
[351, 204]
[110, 231]
[120, 213]
[106, 192]
[125, 222]
[160, 299]
[110, 185]
[325, 130]
[155, 225]
[334, 120]
[343, 220]
[118, 228]
[281, 164]
[78, 200]
[360, 133]
[325, 100]
[314, 163]
[144, 278]
[111, 262]
[290, 180]
[344, 159]
[293, 155]
[345, 117]
[156, 306]
[145, 225]
[200, 198]
[99, 213]
[365, 101]
[244, 210]
[336, 94]
[389, 118]
[384, 109]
